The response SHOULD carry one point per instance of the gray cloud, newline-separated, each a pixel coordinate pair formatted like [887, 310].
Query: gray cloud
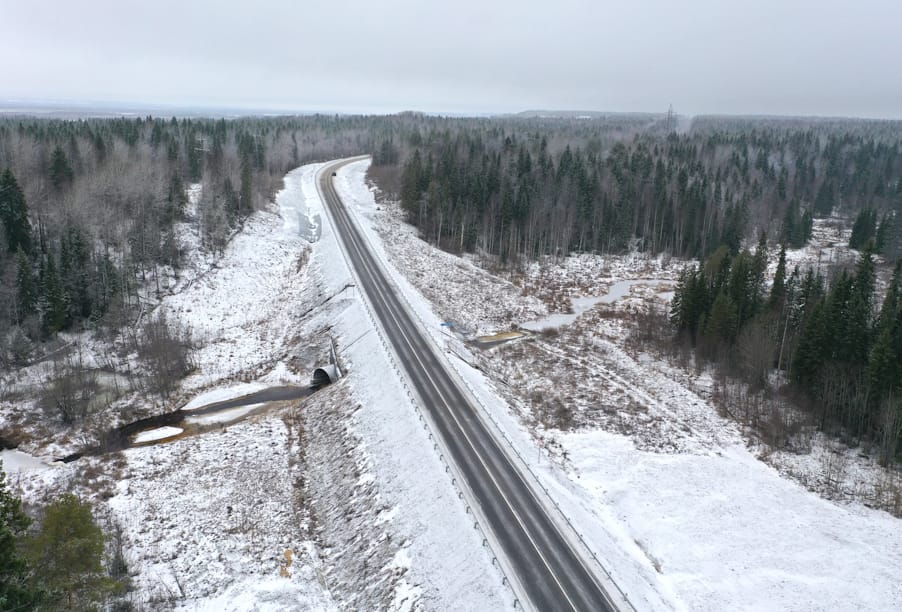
[704, 56]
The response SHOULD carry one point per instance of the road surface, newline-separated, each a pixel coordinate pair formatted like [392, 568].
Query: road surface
[549, 572]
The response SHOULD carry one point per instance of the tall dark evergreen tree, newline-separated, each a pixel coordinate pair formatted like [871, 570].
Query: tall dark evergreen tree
[826, 199]
[16, 591]
[778, 288]
[864, 229]
[59, 171]
[74, 272]
[14, 214]
[52, 298]
[811, 352]
[885, 359]
[883, 234]
[26, 288]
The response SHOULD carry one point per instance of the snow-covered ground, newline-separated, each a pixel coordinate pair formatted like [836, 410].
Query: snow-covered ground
[208, 520]
[17, 462]
[664, 490]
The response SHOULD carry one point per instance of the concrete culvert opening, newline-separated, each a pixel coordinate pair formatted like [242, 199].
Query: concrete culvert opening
[324, 375]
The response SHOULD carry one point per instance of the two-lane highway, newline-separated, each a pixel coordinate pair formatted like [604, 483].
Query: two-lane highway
[548, 570]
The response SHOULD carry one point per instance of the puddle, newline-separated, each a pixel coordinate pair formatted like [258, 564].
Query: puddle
[495, 339]
[581, 305]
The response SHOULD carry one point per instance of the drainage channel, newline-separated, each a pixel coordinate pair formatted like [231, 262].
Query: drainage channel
[123, 437]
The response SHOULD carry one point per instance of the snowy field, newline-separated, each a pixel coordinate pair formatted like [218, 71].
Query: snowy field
[665, 491]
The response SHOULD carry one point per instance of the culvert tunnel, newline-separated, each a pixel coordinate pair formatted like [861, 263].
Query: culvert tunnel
[324, 375]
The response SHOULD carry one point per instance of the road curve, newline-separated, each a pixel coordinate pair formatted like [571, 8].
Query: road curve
[548, 570]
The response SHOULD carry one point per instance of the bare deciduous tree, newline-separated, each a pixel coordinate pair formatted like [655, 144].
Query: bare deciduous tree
[165, 348]
[71, 390]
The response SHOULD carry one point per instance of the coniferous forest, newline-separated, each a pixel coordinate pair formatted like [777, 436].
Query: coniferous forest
[545, 188]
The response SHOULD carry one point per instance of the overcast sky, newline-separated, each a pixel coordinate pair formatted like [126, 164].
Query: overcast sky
[801, 57]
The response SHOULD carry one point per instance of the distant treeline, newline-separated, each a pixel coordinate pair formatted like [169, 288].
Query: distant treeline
[520, 189]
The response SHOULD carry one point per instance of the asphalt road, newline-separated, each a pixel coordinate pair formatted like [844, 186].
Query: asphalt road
[549, 571]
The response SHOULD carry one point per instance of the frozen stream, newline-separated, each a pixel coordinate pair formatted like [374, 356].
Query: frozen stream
[582, 304]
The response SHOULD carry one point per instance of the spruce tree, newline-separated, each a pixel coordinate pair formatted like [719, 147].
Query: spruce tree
[881, 238]
[863, 229]
[860, 310]
[778, 289]
[825, 200]
[59, 171]
[14, 214]
[810, 354]
[74, 273]
[807, 227]
[246, 201]
[52, 300]
[26, 289]
[885, 359]
[722, 322]
[758, 275]
[791, 221]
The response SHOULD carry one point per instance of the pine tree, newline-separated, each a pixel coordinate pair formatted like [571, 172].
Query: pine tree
[67, 554]
[14, 214]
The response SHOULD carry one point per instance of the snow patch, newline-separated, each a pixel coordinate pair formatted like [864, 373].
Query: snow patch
[160, 433]
[223, 394]
[222, 416]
